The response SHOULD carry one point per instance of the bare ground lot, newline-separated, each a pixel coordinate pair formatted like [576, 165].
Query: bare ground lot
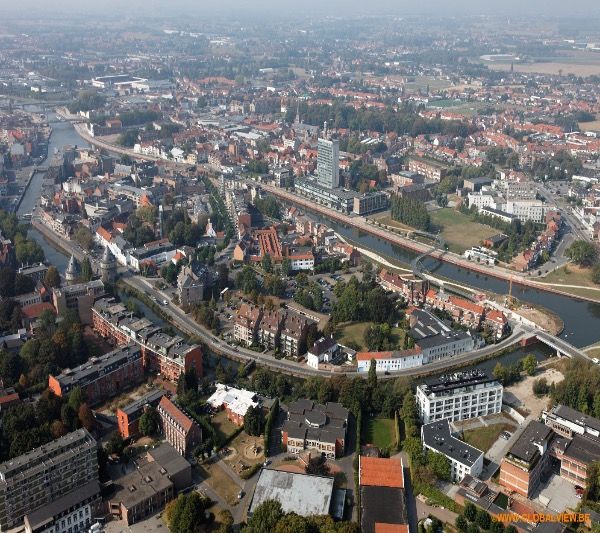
[521, 394]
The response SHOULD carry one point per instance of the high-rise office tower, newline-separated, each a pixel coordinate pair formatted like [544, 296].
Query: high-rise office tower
[328, 163]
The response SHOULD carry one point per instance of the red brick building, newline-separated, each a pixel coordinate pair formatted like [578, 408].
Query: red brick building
[102, 377]
[180, 430]
[128, 417]
[162, 353]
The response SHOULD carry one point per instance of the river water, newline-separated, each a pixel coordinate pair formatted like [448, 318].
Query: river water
[63, 134]
[581, 318]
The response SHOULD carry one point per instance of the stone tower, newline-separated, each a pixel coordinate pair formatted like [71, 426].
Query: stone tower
[73, 271]
[108, 266]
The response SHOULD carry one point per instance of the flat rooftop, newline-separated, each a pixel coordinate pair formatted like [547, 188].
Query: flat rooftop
[437, 436]
[526, 447]
[302, 494]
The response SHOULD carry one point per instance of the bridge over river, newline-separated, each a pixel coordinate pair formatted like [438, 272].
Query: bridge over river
[561, 346]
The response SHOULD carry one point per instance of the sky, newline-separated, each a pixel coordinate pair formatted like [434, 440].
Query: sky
[328, 7]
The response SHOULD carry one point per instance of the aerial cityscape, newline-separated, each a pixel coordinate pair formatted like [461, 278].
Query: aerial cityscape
[329, 267]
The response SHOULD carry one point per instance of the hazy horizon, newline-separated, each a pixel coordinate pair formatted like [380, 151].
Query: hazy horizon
[167, 8]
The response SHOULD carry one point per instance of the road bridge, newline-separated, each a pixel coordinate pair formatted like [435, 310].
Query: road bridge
[561, 346]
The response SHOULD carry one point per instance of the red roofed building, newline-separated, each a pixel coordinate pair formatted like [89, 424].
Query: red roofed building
[382, 496]
[389, 361]
[180, 430]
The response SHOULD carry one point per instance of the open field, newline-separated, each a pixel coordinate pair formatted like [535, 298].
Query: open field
[520, 395]
[459, 232]
[571, 275]
[220, 482]
[421, 82]
[594, 125]
[380, 432]
[484, 437]
[224, 427]
[354, 333]
[385, 218]
[551, 67]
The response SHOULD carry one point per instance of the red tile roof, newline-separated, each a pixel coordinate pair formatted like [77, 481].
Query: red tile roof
[367, 356]
[177, 414]
[35, 310]
[381, 472]
[390, 528]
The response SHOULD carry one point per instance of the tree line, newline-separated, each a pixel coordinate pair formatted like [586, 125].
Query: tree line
[411, 212]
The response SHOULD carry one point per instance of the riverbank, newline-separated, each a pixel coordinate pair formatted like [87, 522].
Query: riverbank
[361, 224]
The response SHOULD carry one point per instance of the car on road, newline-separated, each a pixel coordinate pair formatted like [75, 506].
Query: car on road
[595, 360]
[241, 494]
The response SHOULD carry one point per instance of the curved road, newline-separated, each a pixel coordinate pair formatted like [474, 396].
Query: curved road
[188, 325]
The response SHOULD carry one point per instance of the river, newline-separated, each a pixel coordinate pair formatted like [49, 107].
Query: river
[581, 318]
[63, 134]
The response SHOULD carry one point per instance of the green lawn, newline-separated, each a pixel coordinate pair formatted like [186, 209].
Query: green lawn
[354, 332]
[223, 426]
[457, 229]
[483, 438]
[380, 432]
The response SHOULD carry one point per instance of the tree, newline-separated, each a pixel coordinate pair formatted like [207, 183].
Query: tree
[115, 444]
[372, 378]
[76, 398]
[86, 417]
[52, 278]
[592, 488]
[540, 387]
[86, 270]
[149, 423]
[286, 267]
[254, 421]
[189, 513]
[68, 417]
[440, 465]
[265, 517]
[470, 512]
[11, 367]
[317, 466]
[461, 523]
[582, 253]
[497, 527]
[483, 519]
[267, 264]
[529, 364]
[223, 275]
[83, 236]
[23, 284]
[7, 282]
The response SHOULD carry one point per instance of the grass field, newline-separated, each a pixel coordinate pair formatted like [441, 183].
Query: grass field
[571, 275]
[223, 427]
[594, 125]
[385, 218]
[459, 232]
[483, 438]
[220, 482]
[380, 432]
[355, 332]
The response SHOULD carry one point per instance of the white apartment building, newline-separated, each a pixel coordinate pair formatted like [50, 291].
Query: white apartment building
[524, 210]
[459, 396]
[464, 458]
